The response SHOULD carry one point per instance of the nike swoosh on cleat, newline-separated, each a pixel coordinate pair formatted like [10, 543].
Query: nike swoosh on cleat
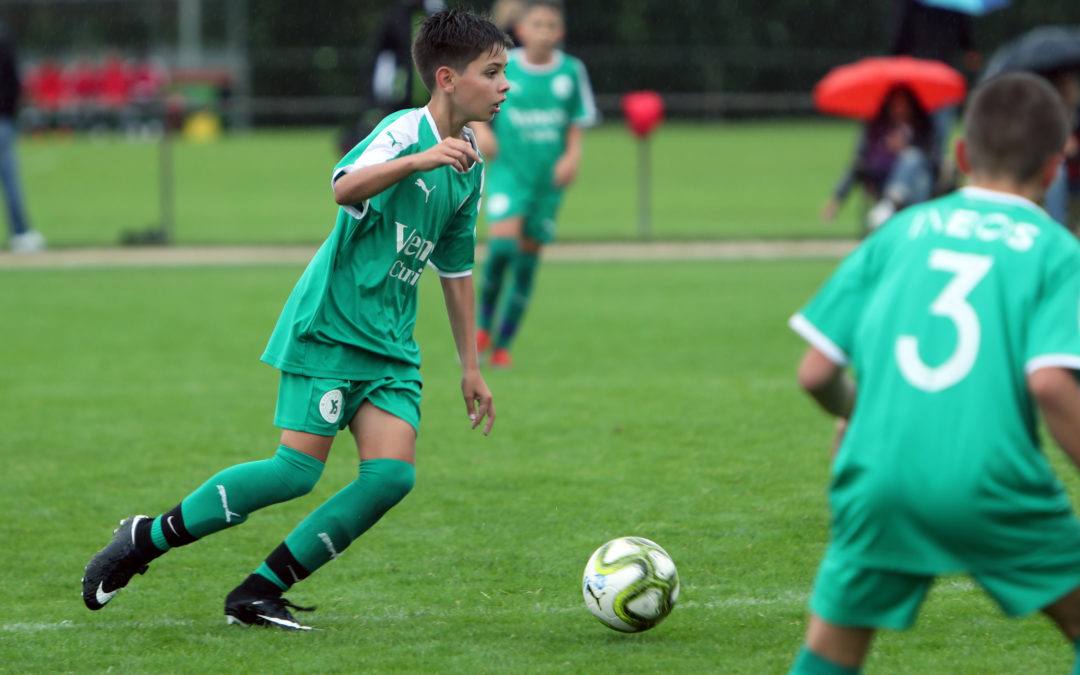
[102, 596]
[283, 622]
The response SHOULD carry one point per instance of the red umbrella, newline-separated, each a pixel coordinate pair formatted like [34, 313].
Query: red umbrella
[859, 89]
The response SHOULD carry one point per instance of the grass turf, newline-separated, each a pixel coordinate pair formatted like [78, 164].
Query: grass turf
[749, 179]
[648, 399]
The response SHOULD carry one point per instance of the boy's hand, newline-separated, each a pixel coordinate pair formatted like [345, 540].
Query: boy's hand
[565, 170]
[451, 152]
[479, 402]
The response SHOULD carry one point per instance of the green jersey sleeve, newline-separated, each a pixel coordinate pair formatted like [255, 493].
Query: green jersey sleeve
[583, 111]
[455, 251]
[829, 321]
[383, 144]
[1053, 338]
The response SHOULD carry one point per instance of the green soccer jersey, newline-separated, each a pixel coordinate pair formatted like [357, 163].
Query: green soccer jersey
[941, 315]
[352, 313]
[542, 103]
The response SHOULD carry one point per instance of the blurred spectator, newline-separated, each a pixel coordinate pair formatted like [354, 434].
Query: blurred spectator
[48, 94]
[84, 84]
[115, 98]
[941, 35]
[1067, 83]
[893, 160]
[23, 239]
[394, 82]
[505, 14]
[149, 78]
[932, 33]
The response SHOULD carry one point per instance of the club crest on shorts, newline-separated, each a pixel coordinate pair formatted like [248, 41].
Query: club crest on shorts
[330, 406]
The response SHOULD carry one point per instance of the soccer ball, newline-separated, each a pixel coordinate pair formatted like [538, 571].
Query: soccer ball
[630, 584]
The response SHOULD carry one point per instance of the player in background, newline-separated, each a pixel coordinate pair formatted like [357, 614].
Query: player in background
[535, 148]
[408, 196]
[959, 318]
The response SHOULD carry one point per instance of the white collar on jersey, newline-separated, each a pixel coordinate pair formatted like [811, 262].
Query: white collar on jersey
[466, 132]
[537, 68]
[998, 196]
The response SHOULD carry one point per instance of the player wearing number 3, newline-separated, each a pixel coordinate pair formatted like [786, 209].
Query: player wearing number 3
[957, 319]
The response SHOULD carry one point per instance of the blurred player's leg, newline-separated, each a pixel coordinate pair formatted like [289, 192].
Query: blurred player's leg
[1065, 612]
[525, 264]
[502, 247]
[831, 649]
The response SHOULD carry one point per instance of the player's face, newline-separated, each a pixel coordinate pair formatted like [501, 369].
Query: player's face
[541, 30]
[482, 87]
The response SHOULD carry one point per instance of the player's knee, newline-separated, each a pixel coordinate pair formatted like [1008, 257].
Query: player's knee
[395, 479]
[399, 480]
[298, 472]
[303, 483]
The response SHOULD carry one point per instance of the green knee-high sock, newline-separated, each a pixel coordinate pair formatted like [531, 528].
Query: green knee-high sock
[525, 265]
[500, 253]
[227, 498]
[325, 534]
[809, 663]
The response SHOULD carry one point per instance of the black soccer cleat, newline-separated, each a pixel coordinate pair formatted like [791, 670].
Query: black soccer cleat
[112, 567]
[247, 609]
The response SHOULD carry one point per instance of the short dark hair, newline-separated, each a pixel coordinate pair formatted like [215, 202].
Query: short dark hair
[454, 38]
[1013, 124]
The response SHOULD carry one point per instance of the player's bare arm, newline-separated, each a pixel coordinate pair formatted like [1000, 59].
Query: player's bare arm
[362, 184]
[1058, 396]
[458, 293]
[566, 169]
[828, 383]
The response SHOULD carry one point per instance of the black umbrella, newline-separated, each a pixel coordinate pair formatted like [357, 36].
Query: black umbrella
[1041, 50]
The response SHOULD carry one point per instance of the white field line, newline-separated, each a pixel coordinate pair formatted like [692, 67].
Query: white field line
[787, 600]
[201, 256]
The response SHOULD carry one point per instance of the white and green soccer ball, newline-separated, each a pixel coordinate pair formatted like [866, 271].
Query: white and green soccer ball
[630, 584]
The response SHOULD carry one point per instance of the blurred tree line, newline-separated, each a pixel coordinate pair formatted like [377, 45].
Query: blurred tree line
[319, 47]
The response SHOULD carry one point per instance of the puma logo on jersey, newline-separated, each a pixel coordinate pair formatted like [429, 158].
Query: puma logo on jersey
[393, 141]
[423, 186]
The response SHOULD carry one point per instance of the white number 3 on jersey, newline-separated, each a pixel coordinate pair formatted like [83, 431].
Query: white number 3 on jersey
[968, 270]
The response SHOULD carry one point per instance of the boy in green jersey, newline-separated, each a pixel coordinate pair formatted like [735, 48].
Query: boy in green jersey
[535, 145]
[960, 318]
[409, 195]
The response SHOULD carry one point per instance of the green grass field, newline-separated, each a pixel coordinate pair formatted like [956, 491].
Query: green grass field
[740, 179]
[648, 399]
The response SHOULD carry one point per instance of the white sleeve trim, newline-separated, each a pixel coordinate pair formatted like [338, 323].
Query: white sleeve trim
[1070, 361]
[809, 332]
[592, 114]
[350, 208]
[450, 275]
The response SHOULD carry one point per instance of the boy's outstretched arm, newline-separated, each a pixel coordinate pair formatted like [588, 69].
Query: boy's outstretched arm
[828, 383]
[566, 169]
[458, 293]
[364, 183]
[1058, 397]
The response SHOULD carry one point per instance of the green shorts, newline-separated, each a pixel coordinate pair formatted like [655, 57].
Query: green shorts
[507, 198]
[848, 595]
[323, 406]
